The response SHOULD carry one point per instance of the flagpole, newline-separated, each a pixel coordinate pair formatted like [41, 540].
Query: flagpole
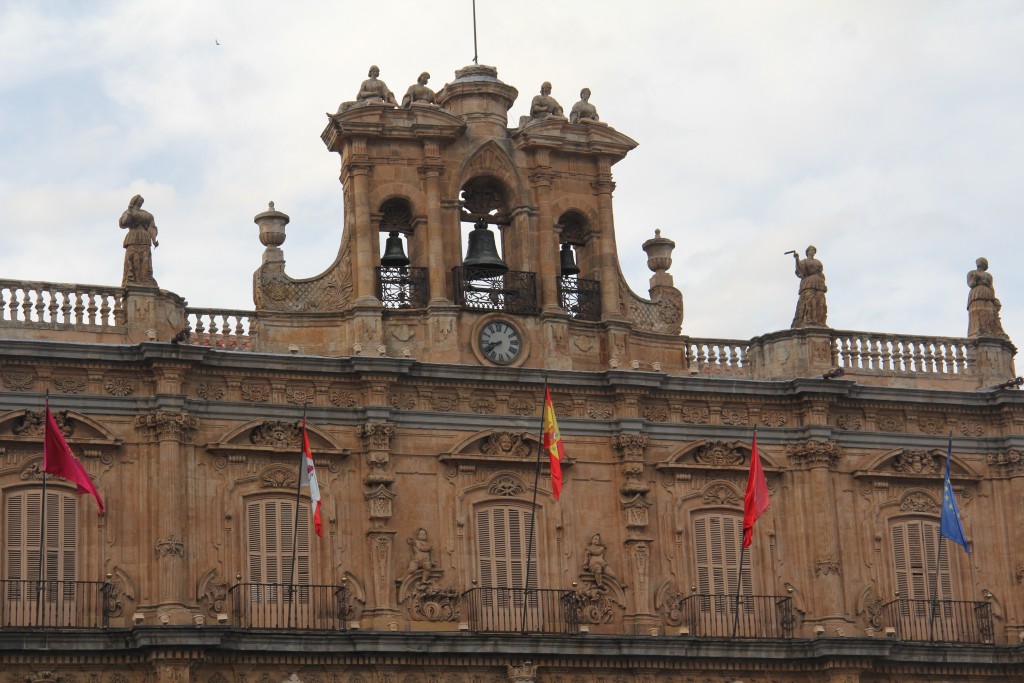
[935, 586]
[533, 505]
[42, 525]
[298, 502]
[739, 579]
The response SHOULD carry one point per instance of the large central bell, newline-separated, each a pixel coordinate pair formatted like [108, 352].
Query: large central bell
[482, 254]
[394, 256]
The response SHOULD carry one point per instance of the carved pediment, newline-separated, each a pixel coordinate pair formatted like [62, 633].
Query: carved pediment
[86, 436]
[708, 454]
[504, 447]
[917, 464]
[269, 437]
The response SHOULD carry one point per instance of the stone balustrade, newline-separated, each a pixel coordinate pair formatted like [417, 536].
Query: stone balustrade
[891, 354]
[222, 328]
[718, 357]
[58, 305]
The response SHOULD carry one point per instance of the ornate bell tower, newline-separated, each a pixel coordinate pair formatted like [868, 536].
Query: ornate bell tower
[509, 233]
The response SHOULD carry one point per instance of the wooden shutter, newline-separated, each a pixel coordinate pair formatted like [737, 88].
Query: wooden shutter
[502, 547]
[717, 537]
[23, 521]
[271, 525]
[914, 554]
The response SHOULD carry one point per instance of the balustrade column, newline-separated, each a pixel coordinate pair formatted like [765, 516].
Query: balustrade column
[814, 462]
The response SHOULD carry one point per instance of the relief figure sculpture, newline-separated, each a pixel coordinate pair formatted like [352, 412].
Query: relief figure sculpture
[420, 548]
[811, 310]
[138, 260]
[594, 561]
[982, 304]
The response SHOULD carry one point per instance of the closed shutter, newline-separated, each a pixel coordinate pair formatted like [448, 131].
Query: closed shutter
[271, 525]
[23, 518]
[717, 537]
[914, 554]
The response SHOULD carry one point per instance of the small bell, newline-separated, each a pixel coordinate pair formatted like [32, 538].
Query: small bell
[569, 266]
[482, 254]
[394, 255]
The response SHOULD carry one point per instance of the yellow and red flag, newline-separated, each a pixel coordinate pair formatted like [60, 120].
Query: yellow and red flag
[553, 444]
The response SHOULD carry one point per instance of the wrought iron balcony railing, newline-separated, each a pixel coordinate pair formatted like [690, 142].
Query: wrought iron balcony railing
[580, 298]
[520, 610]
[512, 292]
[715, 615]
[401, 288]
[951, 621]
[281, 605]
[54, 604]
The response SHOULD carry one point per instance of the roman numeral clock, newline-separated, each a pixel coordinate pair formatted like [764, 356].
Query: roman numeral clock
[500, 341]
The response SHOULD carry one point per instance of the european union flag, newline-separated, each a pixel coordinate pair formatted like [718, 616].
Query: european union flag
[949, 524]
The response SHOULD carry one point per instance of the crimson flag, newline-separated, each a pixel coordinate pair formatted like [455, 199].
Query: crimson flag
[756, 499]
[59, 461]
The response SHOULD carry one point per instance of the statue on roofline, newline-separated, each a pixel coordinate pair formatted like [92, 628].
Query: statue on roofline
[811, 309]
[142, 231]
[544, 106]
[583, 111]
[419, 92]
[982, 304]
[371, 91]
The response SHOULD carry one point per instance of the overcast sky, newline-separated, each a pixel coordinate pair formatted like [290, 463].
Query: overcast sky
[887, 134]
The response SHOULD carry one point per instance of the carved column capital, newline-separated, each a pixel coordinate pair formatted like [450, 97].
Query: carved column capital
[631, 445]
[167, 426]
[1008, 463]
[813, 454]
[377, 436]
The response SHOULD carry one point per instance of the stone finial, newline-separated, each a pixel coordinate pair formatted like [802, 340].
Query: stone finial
[272, 232]
[811, 308]
[982, 305]
[659, 259]
[142, 231]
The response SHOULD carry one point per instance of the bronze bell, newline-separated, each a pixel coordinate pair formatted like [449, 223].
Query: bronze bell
[394, 256]
[569, 266]
[482, 254]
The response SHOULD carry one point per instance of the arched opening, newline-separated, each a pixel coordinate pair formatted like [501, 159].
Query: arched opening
[579, 296]
[400, 283]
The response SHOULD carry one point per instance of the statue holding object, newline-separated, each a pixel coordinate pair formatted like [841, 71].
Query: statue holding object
[142, 231]
[811, 309]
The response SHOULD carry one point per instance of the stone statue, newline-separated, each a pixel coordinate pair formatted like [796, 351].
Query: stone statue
[594, 561]
[375, 89]
[583, 111]
[544, 105]
[419, 92]
[982, 304]
[420, 548]
[811, 310]
[138, 260]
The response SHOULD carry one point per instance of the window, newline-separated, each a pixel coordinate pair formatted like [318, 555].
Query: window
[271, 529]
[915, 555]
[502, 546]
[717, 537]
[22, 521]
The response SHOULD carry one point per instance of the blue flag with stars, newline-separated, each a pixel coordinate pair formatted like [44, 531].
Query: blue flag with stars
[949, 524]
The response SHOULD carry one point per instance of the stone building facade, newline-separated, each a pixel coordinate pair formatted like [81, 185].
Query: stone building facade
[444, 555]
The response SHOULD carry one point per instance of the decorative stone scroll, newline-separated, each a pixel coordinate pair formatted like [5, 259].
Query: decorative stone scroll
[663, 314]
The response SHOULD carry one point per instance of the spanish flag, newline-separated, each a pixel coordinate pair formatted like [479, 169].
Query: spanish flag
[553, 444]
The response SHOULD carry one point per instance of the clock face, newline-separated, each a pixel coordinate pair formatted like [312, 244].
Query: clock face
[500, 342]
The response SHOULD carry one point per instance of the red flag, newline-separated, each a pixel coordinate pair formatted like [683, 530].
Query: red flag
[59, 461]
[308, 478]
[553, 444]
[756, 499]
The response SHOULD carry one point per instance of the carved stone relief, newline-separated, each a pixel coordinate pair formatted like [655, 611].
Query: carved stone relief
[277, 434]
[255, 392]
[119, 387]
[915, 462]
[163, 424]
[698, 415]
[735, 416]
[505, 444]
[814, 453]
[891, 423]
[827, 564]
[18, 381]
[342, 398]
[917, 501]
[849, 423]
[773, 418]
[719, 454]
[172, 546]
[69, 384]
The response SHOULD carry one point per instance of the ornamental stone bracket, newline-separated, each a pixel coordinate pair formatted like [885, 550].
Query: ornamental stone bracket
[813, 454]
[167, 426]
[523, 672]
